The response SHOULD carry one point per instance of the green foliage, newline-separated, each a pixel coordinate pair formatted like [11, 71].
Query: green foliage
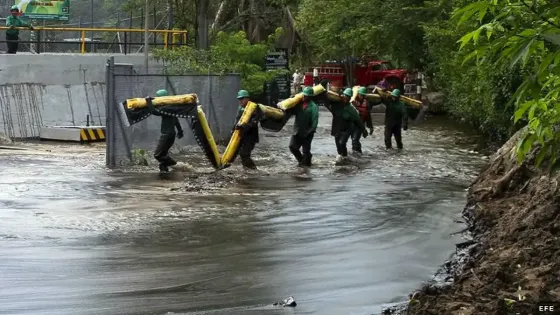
[230, 53]
[139, 157]
[429, 34]
[527, 35]
[338, 29]
[476, 93]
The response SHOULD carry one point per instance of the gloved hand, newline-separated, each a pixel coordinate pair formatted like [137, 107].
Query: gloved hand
[30, 27]
[240, 127]
[180, 134]
[370, 131]
[12, 27]
[405, 127]
[364, 133]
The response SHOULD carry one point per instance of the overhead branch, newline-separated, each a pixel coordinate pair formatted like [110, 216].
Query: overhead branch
[244, 16]
[542, 17]
[218, 15]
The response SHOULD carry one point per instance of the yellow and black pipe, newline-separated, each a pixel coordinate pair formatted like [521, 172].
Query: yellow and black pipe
[274, 119]
[176, 100]
[414, 107]
[180, 106]
[298, 98]
[407, 100]
[204, 138]
[232, 148]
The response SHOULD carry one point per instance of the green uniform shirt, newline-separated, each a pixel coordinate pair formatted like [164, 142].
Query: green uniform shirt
[396, 113]
[168, 124]
[345, 118]
[16, 22]
[307, 119]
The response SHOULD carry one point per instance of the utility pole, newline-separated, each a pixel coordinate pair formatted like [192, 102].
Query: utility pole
[170, 17]
[170, 22]
[146, 41]
[91, 33]
[91, 15]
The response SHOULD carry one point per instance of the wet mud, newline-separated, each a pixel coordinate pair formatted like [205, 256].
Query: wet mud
[510, 259]
[346, 239]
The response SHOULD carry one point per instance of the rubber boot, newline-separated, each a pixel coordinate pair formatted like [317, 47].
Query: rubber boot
[247, 162]
[306, 161]
[297, 154]
[163, 168]
[356, 146]
[171, 162]
[340, 159]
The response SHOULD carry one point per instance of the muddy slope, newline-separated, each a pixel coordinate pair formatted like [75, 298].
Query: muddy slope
[514, 217]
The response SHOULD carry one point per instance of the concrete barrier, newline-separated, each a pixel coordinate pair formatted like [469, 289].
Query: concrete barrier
[53, 90]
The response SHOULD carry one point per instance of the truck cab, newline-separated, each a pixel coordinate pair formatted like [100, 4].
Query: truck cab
[367, 73]
[376, 70]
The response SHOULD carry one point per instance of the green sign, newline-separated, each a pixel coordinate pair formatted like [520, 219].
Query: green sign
[45, 9]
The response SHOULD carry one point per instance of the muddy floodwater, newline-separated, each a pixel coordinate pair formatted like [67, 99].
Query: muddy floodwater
[76, 238]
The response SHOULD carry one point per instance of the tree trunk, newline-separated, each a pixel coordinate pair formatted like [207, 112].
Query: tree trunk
[239, 10]
[255, 28]
[170, 22]
[349, 70]
[216, 23]
[201, 24]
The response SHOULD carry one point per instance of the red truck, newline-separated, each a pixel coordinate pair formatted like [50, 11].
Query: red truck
[365, 74]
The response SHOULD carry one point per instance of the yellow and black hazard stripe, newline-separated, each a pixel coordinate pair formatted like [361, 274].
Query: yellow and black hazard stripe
[92, 134]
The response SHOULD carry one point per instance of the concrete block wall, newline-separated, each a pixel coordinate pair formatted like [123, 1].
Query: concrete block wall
[53, 90]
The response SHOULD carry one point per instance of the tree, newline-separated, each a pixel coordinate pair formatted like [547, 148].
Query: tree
[201, 24]
[230, 53]
[526, 34]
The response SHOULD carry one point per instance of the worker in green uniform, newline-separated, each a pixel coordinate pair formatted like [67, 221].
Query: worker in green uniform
[346, 120]
[396, 119]
[13, 21]
[305, 125]
[364, 109]
[250, 130]
[167, 138]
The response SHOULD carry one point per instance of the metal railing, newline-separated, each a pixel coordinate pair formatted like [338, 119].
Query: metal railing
[108, 40]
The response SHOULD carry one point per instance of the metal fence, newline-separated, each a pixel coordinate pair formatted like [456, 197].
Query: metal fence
[216, 94]
[93, 40]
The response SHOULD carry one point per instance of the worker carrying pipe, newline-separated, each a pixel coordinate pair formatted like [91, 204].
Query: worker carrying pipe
[167, 138]
[396, 119]
[305, 125]
[346, 120]
[364, 109]
[249, 130]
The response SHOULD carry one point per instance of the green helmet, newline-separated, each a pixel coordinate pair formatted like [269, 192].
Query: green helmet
[348, 92]
[14, 7]
[242, 94]
[362, 90]
[396, 93]
[161, 93]
[308, 91]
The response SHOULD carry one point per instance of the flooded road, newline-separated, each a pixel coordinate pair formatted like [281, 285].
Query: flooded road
[77, 239]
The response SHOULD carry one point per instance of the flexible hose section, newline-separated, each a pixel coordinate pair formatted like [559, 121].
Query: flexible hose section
[273, 119]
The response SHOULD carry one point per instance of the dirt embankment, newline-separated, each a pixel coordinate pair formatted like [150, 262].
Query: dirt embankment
[513, 260]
